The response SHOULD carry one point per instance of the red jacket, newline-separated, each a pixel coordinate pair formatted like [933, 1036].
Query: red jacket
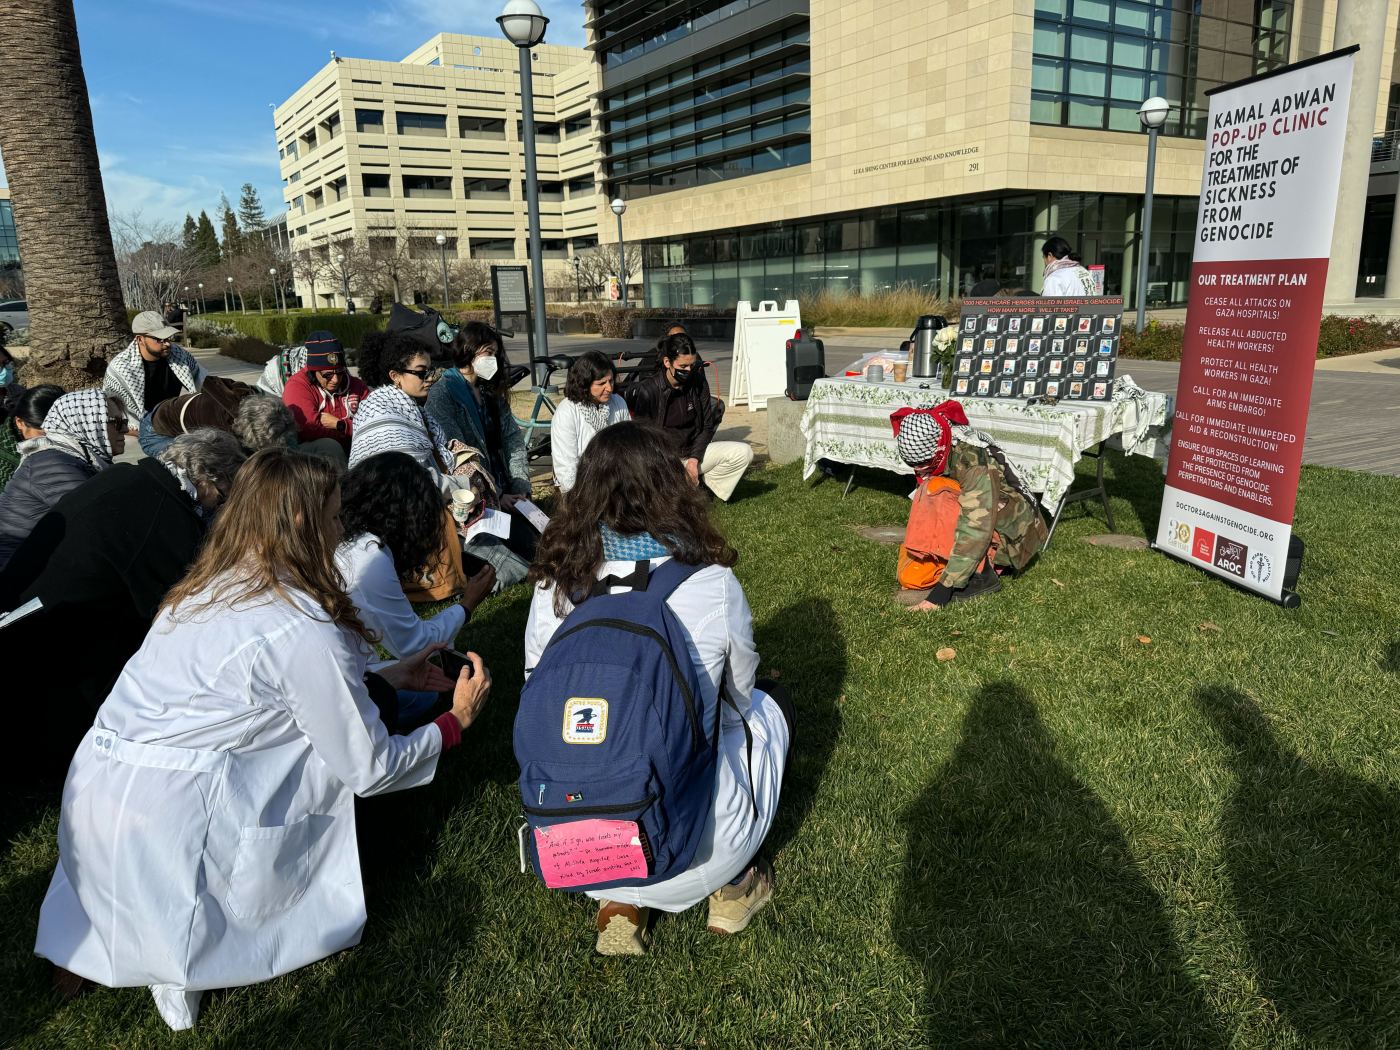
[307, 401]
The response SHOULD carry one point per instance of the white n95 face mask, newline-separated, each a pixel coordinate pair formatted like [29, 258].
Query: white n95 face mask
[486, 367]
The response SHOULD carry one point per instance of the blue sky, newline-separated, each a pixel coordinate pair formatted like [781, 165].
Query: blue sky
[180, 88]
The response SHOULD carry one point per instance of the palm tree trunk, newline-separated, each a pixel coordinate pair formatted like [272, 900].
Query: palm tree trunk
[77, 320]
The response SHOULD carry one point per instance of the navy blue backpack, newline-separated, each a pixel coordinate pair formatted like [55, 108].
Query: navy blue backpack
[610, 728]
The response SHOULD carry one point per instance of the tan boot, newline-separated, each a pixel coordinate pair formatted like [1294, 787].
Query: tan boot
[733, 907]
[622, 929]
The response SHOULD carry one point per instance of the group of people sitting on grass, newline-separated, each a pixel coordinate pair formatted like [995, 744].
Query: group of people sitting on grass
[243, 655]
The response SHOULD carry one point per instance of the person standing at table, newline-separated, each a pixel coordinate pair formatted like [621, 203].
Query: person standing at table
[999, 527]
[1064, 273]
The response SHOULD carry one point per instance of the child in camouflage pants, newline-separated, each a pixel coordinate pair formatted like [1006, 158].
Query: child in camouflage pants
[999, 524]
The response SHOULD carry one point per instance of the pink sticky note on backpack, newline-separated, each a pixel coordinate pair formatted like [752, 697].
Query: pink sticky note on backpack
[585, 852]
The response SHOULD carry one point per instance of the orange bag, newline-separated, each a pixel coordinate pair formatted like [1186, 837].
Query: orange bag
[443, 576]
[928, 538]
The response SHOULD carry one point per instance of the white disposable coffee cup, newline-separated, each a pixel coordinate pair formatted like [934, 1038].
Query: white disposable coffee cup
[463, 500]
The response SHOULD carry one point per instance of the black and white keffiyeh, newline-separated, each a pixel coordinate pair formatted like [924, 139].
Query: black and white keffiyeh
[391, 421]
[77, 422]
[595, 415]
[126, 377]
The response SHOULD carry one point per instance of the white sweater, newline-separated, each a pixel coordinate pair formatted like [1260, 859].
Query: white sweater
[569, 435]
[374, 587]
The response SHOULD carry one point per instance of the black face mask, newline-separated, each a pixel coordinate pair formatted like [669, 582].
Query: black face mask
[685, 377]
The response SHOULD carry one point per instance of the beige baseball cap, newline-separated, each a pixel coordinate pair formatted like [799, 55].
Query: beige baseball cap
[149, 322]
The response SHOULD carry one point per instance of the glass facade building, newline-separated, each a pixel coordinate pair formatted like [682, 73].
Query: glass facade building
[698, 93]
[943, 247]
[1097, 60]
[9, 239]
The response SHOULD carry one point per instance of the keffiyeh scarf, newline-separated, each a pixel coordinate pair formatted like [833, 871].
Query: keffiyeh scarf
[126, 377]
[77, 423]
[595, 415]
[391, 421]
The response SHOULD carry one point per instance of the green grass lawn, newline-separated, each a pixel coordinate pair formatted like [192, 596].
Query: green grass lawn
[1063, 837]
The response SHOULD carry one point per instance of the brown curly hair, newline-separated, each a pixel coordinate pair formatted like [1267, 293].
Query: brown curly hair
[629, 480]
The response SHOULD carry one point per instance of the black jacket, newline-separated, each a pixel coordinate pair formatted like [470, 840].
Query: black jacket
[101, 561]
[648, 398]
[41, 480]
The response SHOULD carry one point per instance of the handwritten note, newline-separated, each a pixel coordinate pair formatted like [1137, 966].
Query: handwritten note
[584, 852]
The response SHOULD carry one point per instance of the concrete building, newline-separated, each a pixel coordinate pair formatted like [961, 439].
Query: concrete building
[379, 158]
[771, 149]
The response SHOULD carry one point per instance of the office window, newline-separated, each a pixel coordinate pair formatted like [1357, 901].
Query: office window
[577, 126]
[487, 189]
[369, 121]
[481, 128]
[493, 247]
[1095, 61]
[436, 186]
[375, 185]
[429, 124]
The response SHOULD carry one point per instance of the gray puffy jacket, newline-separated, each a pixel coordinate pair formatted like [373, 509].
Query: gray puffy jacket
[43, 477]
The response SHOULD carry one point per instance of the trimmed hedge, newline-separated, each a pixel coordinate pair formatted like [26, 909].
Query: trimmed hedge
[292, 329]
[1338, 337]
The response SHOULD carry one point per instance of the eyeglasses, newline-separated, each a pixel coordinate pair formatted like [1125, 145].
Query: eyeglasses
[425, 375]
[158, 342]
[119, 423]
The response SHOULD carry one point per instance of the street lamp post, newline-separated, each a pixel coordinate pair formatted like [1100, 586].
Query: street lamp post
[1153, 115]
[200, 308]
[344, 279]
[442, 254]
[578, 287]
[619, 206]
[277, 296]
[524, 24]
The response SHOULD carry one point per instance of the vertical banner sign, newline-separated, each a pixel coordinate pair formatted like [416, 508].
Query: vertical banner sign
[1263, 237]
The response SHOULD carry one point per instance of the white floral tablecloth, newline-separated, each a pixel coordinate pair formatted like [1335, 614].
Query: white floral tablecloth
[848, 421]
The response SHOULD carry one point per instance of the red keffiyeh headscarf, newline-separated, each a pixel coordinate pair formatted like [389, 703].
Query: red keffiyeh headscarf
[924, 436]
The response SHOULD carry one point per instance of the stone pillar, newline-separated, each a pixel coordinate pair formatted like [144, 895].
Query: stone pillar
[1358, 22]
[1392, 267]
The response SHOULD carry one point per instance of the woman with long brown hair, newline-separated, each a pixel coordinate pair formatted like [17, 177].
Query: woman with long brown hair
[207, 835]
[634, 508]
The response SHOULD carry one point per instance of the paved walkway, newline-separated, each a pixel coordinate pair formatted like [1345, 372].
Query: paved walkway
[1354, 423]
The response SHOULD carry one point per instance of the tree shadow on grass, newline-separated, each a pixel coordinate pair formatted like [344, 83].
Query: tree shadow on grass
[1391, 662]
[1023, 905]
[804, 645]
[1312, 858]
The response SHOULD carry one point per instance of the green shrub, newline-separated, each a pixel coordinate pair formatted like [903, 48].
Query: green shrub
[1340, 336]
[1160, 341]
[291, 329]
[247, 348]
[899, 308]
[615, 323]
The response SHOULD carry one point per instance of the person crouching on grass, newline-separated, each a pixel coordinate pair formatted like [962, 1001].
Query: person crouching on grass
[999, 524]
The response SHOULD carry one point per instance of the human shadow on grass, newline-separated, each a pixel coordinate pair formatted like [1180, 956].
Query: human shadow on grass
[1023, 905]
[803, 644]
[1314, 869]
[1391, 662]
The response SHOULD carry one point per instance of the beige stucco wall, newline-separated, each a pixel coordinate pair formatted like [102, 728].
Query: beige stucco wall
[563, 83]
[955, 91]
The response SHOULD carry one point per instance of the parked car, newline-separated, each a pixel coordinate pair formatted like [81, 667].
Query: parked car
[14, 314]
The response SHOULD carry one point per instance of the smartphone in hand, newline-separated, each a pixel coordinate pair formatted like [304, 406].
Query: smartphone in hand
[451, 663]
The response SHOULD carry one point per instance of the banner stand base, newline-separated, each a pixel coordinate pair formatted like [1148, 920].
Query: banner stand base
[1288, 599]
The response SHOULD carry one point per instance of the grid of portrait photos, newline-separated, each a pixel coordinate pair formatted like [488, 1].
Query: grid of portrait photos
[1066, 349]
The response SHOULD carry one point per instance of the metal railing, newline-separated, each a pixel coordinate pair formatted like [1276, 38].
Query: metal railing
[1385, 147]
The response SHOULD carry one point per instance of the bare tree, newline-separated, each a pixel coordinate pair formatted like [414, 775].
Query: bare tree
[393, 258]
[471, 279]
[598, 265]
[75, 297]
[310, 265]
[151, 262]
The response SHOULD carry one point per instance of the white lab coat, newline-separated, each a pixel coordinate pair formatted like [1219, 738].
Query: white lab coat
[715, 616]
[1068, 281]
[207, 834]
[373, 585]
[570, 433]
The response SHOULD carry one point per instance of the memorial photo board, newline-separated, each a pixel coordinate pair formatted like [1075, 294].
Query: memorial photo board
[1037, 347]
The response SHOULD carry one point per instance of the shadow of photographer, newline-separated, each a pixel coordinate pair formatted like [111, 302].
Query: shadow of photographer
[1023, 905]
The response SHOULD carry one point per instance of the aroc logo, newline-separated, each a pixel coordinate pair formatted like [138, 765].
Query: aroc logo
[1230, 556]
[1203, 546]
